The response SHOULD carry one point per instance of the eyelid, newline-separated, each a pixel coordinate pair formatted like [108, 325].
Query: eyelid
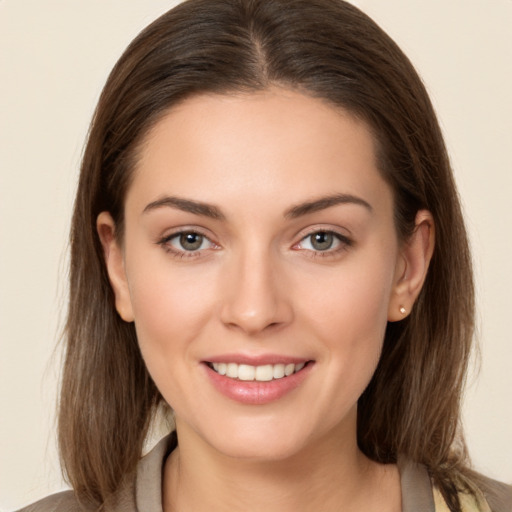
[165, 239]
[185, 228]
[338, 232]
[344, 240]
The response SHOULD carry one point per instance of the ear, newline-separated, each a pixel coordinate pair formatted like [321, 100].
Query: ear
[114, 261]
[412, 266]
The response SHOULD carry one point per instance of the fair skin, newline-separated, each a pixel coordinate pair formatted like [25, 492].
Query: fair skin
[259, 233]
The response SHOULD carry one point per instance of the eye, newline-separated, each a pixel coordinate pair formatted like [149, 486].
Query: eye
[187, 242]
[324, 241]
[321, 241]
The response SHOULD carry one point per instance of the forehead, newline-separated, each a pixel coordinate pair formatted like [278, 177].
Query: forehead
[278, 145]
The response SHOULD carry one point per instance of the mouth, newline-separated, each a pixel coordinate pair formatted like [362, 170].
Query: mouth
[261, 373]
[257, 384]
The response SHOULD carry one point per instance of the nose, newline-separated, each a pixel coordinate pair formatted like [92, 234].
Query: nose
[254, 295]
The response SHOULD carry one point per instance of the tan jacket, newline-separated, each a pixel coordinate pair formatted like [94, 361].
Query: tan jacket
[145, 494]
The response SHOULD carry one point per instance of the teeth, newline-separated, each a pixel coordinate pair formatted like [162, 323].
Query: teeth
[246, 372]
[289, 369]
[262, 373]
[278, 371]
[232, 370]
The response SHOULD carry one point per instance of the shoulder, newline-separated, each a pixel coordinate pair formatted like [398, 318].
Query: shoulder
[492, 496]
[60, 502]
[419, 493]
[497, 494]
[139, 491]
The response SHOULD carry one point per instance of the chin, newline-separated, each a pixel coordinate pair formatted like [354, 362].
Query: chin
[258, 449]
[260, 439]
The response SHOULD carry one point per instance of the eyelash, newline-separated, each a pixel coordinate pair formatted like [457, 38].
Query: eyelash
[344, 244]
[182, 254]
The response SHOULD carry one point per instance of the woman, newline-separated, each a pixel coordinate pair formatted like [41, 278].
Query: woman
[267, 238]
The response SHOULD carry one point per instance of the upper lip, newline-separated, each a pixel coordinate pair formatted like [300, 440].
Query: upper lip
[256, 360]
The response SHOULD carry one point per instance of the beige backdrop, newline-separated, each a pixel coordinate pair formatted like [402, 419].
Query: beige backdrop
[54, 58]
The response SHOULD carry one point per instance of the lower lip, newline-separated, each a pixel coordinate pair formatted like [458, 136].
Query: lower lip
[256, 392]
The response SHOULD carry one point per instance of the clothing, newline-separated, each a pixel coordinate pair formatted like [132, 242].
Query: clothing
[145, 494]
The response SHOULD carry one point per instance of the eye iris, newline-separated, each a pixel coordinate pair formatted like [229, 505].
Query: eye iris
[191, 241]
[322, 241]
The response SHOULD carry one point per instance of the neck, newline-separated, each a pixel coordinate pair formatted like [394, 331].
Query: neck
[330, 472]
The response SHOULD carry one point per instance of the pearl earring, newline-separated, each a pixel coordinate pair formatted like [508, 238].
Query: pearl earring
[402, 310]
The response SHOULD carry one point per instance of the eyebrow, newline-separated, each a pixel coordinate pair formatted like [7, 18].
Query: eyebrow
[325, 202]
[187, 205]
[213, 212]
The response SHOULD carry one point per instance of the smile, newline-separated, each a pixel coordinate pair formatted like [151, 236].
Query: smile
[263, 373]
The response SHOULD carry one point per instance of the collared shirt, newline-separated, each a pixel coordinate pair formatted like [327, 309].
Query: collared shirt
[145, 493]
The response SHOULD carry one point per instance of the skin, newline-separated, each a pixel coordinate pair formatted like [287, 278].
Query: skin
[258, 286]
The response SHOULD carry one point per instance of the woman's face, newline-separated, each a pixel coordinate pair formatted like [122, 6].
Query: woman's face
[259, 241]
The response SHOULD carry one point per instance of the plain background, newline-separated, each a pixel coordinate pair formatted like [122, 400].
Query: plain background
[54, 58]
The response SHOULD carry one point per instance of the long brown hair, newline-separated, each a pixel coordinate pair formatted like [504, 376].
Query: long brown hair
[327, 49]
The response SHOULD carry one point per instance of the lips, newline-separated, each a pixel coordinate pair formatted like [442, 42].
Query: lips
[266, 380]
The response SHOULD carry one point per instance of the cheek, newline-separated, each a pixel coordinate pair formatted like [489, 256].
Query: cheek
[353, 302]
[171, 308]
[349, 315]
[353, 332]
[165, 295]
